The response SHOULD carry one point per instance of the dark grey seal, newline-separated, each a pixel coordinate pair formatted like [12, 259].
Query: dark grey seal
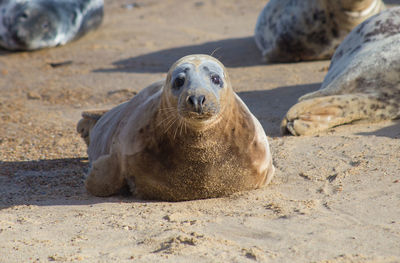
[36, 24]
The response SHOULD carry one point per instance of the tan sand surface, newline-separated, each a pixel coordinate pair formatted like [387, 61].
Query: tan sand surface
[335, 197]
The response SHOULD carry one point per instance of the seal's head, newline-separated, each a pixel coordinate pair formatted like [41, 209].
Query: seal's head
[32, 25]
[197, 89]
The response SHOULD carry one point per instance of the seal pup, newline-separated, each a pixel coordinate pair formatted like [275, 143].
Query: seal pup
[363, 81]
[188, 137]
[36, 24]
[295, 30]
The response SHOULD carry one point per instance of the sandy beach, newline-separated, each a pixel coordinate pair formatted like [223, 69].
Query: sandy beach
[335, 197]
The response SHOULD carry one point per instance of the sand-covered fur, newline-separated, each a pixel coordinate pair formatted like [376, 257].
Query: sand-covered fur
[189, 137]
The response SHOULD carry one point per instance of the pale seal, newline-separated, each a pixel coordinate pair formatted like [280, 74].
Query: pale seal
[363, 81]
[36, 24]
[188, 137]
[295, 30]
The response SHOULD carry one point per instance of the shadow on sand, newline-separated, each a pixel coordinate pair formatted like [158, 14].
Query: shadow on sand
[48, 183]
[392, 2]
[234, 52]
[392, 131]
[4, 52]
[270, 106]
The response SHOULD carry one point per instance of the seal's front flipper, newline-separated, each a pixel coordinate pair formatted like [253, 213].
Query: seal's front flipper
[85, 125]
[104, 178]
[318, 114]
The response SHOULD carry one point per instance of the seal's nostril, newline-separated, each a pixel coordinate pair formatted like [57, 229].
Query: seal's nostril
[202, 99]
[196, 103]
[191, 100]
[196, 100]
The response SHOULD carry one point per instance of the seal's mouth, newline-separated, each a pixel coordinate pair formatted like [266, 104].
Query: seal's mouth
[203, 114]
[198, 115]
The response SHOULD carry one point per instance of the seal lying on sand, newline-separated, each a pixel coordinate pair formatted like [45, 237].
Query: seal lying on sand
[189, 137]
[294, 30]
[35, 24]
[363, 81]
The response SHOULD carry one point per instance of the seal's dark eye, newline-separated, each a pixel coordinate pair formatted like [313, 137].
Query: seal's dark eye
[179, 82]
[216, 79]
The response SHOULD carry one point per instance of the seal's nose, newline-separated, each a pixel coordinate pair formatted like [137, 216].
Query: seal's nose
[196, 102]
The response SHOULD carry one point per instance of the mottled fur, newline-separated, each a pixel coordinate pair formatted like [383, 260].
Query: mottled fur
[165, 151]
[363, 81]
[294, 30]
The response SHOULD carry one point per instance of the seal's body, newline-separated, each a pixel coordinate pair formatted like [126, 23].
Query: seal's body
[363, 81]
[189, 137]
[36, 24]
[294, 30]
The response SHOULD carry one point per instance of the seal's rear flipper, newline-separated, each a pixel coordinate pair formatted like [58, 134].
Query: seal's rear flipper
[315, 115]
[85, 125]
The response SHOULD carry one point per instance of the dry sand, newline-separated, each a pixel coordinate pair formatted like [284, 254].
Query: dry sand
[335, 197]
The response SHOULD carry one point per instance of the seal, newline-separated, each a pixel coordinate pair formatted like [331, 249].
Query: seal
[363, 81]
[297, 30]
[36, 24]
[188, 137]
